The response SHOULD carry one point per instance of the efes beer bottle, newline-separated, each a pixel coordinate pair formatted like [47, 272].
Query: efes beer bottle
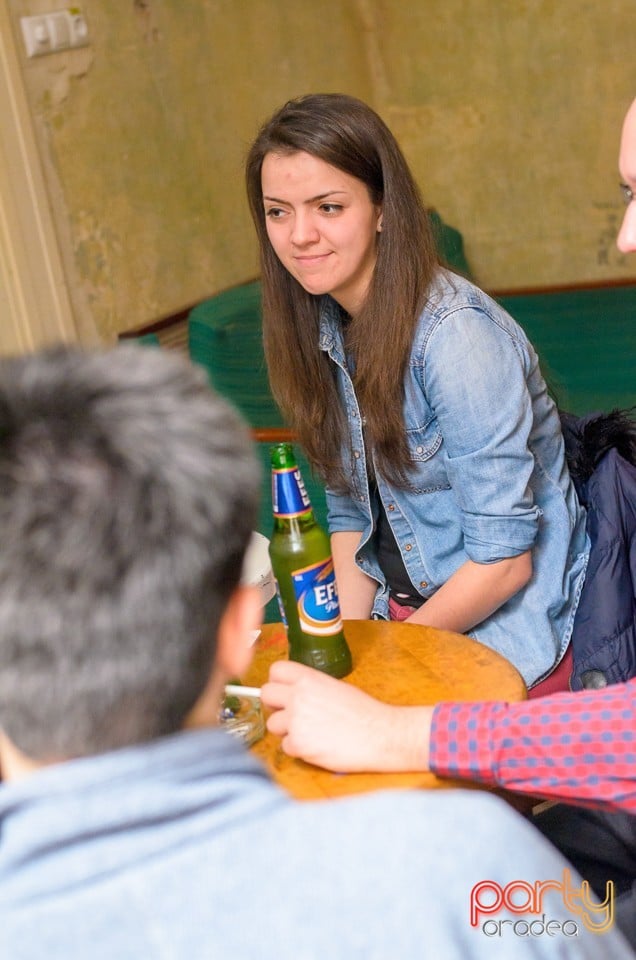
[303, 567]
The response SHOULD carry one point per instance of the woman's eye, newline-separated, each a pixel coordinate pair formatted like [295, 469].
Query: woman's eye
[331, 207]
[274, 213]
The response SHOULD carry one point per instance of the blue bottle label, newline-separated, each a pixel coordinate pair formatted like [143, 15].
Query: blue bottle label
[317, 598]
[289, 497]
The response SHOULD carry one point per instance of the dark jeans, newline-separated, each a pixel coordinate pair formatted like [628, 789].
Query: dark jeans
[600, 846]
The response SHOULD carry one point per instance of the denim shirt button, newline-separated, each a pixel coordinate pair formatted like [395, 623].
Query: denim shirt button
[408, 546]
[391, 507]
[356, 454]
[423, 583]
[419, 449]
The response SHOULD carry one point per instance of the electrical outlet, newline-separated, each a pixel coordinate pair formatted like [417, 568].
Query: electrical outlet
[51, 32]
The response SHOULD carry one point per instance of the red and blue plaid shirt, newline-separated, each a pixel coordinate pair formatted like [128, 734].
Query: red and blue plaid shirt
[576, 747]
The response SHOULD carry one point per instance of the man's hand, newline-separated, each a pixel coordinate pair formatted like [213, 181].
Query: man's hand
[334, 725]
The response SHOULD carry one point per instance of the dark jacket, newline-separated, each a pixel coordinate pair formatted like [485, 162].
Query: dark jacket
[601, 452]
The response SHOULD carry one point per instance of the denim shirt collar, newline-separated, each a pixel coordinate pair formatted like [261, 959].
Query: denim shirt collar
[330, 331]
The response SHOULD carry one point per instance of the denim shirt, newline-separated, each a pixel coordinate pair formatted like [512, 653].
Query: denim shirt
[489, 477]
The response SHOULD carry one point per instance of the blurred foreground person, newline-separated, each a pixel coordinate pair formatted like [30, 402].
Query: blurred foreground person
[129, 826]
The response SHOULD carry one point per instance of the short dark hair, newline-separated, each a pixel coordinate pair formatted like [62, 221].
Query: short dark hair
[128, 492]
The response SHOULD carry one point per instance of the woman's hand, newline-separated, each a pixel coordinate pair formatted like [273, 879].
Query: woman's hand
[334, 725]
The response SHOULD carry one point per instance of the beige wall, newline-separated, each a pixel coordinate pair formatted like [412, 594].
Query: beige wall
[509, 113]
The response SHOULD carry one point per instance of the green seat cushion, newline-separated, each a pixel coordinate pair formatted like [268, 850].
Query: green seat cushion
[225, 337]
[586, 341]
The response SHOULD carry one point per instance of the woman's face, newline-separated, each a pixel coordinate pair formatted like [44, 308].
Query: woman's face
[322, 225]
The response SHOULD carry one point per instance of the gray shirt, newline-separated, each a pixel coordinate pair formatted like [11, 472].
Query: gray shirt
[183, 849]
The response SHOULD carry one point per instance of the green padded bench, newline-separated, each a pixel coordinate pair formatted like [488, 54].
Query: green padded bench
[586, 341]
[225, 337]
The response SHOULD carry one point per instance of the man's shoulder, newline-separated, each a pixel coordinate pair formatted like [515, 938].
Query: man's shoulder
[378, 875]
[411, 809]
[442, 824]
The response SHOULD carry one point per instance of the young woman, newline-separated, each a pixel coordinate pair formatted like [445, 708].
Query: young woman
[416, 397]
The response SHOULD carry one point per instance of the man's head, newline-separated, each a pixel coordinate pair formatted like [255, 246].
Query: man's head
[128, 493]
[627, 167]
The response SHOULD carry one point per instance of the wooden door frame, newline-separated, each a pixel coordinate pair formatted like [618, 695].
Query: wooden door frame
[35, 305]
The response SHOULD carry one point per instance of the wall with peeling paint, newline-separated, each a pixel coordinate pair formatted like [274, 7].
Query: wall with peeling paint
[143, 136]
[509, 113]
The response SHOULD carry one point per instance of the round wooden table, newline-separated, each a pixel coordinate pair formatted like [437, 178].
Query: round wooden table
[399, 663]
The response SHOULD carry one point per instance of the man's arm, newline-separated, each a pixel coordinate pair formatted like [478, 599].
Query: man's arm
[577, 747]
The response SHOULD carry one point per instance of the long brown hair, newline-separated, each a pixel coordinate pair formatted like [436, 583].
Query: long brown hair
[345, 133]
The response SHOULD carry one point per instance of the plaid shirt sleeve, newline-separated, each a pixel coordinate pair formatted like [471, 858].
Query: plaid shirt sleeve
[577, 747]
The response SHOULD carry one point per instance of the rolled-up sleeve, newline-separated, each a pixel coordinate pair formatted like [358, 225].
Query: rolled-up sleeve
[475, 377]
[343, 513]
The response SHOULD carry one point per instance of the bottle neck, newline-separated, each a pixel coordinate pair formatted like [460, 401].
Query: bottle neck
[289, 497]
[294, 525]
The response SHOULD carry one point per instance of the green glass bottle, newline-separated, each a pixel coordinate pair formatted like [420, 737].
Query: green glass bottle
[301, 560]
